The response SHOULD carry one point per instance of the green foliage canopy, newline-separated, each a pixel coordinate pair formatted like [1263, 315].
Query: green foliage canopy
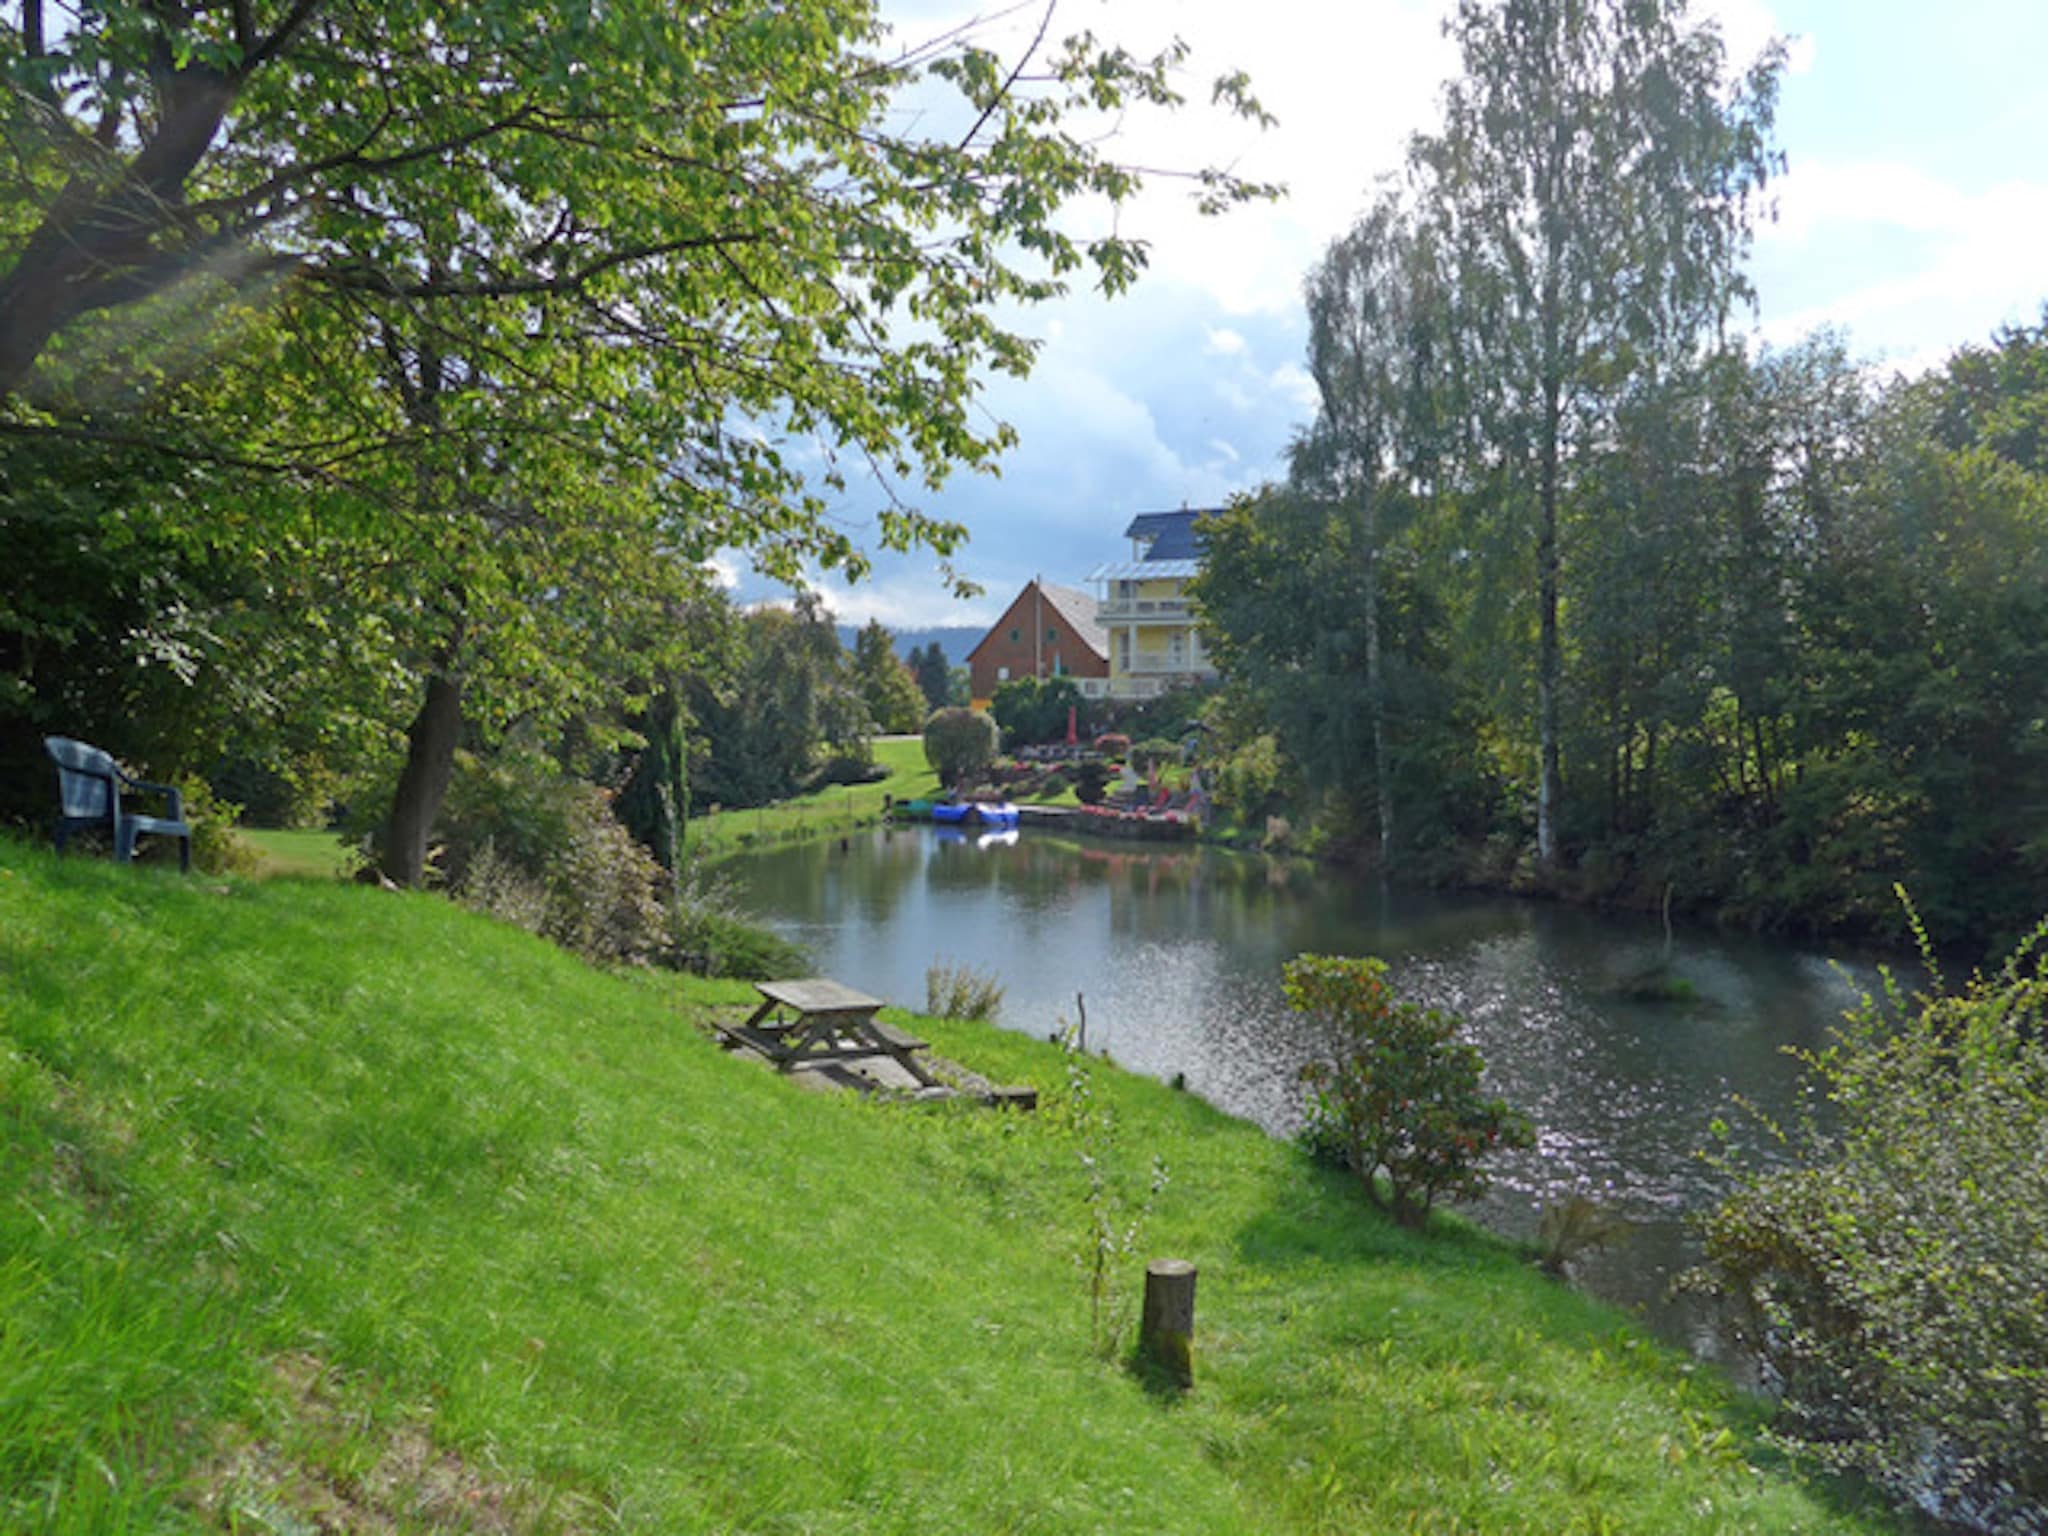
[894, 701]
[482, 327]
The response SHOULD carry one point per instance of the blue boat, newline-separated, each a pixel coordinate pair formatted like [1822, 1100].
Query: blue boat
[975, 813]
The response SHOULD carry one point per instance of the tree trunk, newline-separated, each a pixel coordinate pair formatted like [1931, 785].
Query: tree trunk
[429, 761]
[96, 246]
[1375, 688]
[1166, 1330]
[1549, 658]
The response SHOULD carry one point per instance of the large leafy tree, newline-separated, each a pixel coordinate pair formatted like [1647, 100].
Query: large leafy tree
[789, 689]
[1377, 351]
[1284, 595]
[547, 291]
[1595, 178]
[891, 694]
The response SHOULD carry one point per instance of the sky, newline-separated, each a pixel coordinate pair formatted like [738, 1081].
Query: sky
[1913, 216]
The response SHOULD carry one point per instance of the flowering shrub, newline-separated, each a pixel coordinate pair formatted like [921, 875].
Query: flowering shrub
[1113, 745]
[1401, 1099]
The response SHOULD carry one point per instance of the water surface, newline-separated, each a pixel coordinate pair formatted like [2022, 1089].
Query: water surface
[1175, 955]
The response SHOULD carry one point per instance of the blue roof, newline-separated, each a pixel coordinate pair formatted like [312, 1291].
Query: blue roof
[1172, 534]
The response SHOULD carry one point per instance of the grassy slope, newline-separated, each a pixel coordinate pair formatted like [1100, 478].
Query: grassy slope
[824, 812]
[298, 851]
[519, 1212]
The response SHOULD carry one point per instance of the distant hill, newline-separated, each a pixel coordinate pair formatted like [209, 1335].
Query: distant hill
[956, 640]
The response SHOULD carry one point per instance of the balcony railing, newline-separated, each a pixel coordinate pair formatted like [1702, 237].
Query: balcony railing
[1147, 684]
[1158, 610]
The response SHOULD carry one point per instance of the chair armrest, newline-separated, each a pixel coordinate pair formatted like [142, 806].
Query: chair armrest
[170, 792]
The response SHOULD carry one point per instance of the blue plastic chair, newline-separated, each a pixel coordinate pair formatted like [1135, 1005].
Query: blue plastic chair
[89, 785]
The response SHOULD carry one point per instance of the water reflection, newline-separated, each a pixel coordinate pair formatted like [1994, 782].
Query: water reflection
[1178, 954]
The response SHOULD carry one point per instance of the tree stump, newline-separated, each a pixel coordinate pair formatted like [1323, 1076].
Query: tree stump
[1166, 1333]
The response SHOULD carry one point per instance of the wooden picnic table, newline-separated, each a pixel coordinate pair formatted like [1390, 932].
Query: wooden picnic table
[815, 1019]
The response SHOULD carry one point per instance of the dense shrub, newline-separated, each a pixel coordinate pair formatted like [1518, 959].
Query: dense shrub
[525, 843]
[1090, 782]
[1251, 781]
[1402, 1097]
[1893, 1279]
[1113, 745]
[216, 847]
[959, 742]
[1031, 709]
[711, 936]
[853, 767]
[298, 793]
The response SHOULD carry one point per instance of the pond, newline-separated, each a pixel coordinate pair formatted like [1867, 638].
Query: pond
[1175, 953]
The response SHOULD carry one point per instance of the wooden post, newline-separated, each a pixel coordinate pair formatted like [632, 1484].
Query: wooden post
[1166, 1334]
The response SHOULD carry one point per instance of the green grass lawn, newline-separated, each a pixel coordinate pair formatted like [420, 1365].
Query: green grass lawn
[823, 813]
[322, 855]
[831, 812]
[323, 1206]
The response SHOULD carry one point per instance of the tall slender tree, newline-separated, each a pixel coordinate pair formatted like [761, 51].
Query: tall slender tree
[1376, 348]
[1595, 179]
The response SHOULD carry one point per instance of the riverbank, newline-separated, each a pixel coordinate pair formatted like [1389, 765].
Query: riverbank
[834, 811]
[379, 1211]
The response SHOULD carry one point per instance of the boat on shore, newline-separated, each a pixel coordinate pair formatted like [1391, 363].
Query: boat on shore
[996, 814]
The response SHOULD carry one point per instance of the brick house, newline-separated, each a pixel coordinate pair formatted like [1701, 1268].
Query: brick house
[1048, 631]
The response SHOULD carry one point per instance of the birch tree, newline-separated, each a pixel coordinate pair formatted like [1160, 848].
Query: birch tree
[1596, 179]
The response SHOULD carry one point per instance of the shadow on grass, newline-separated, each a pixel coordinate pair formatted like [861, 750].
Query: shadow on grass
[1322, 1215]
[1160, 1384]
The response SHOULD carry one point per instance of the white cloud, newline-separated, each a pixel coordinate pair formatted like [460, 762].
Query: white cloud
[1291, 381]
[1348, 84]
[1222, 341]
[1747, 25]
[1957, 265]
[1815, 194]
[910, 601]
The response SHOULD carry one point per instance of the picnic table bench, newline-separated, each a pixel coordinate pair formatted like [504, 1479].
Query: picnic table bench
[800, 1023]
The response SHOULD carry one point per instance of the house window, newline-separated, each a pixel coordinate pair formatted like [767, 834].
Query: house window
[1051, 634]
[1002, 674]
[1014, 637]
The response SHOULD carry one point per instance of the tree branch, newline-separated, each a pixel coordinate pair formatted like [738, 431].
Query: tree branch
[364, 279]
[280, 39]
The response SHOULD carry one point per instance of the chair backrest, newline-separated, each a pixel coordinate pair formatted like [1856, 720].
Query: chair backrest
[86, 777]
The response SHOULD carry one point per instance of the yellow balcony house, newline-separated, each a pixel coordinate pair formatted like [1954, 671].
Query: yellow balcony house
[1145, 610]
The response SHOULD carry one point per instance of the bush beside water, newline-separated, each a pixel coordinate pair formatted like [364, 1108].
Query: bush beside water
[1892, 1281]
[1401, 1099]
